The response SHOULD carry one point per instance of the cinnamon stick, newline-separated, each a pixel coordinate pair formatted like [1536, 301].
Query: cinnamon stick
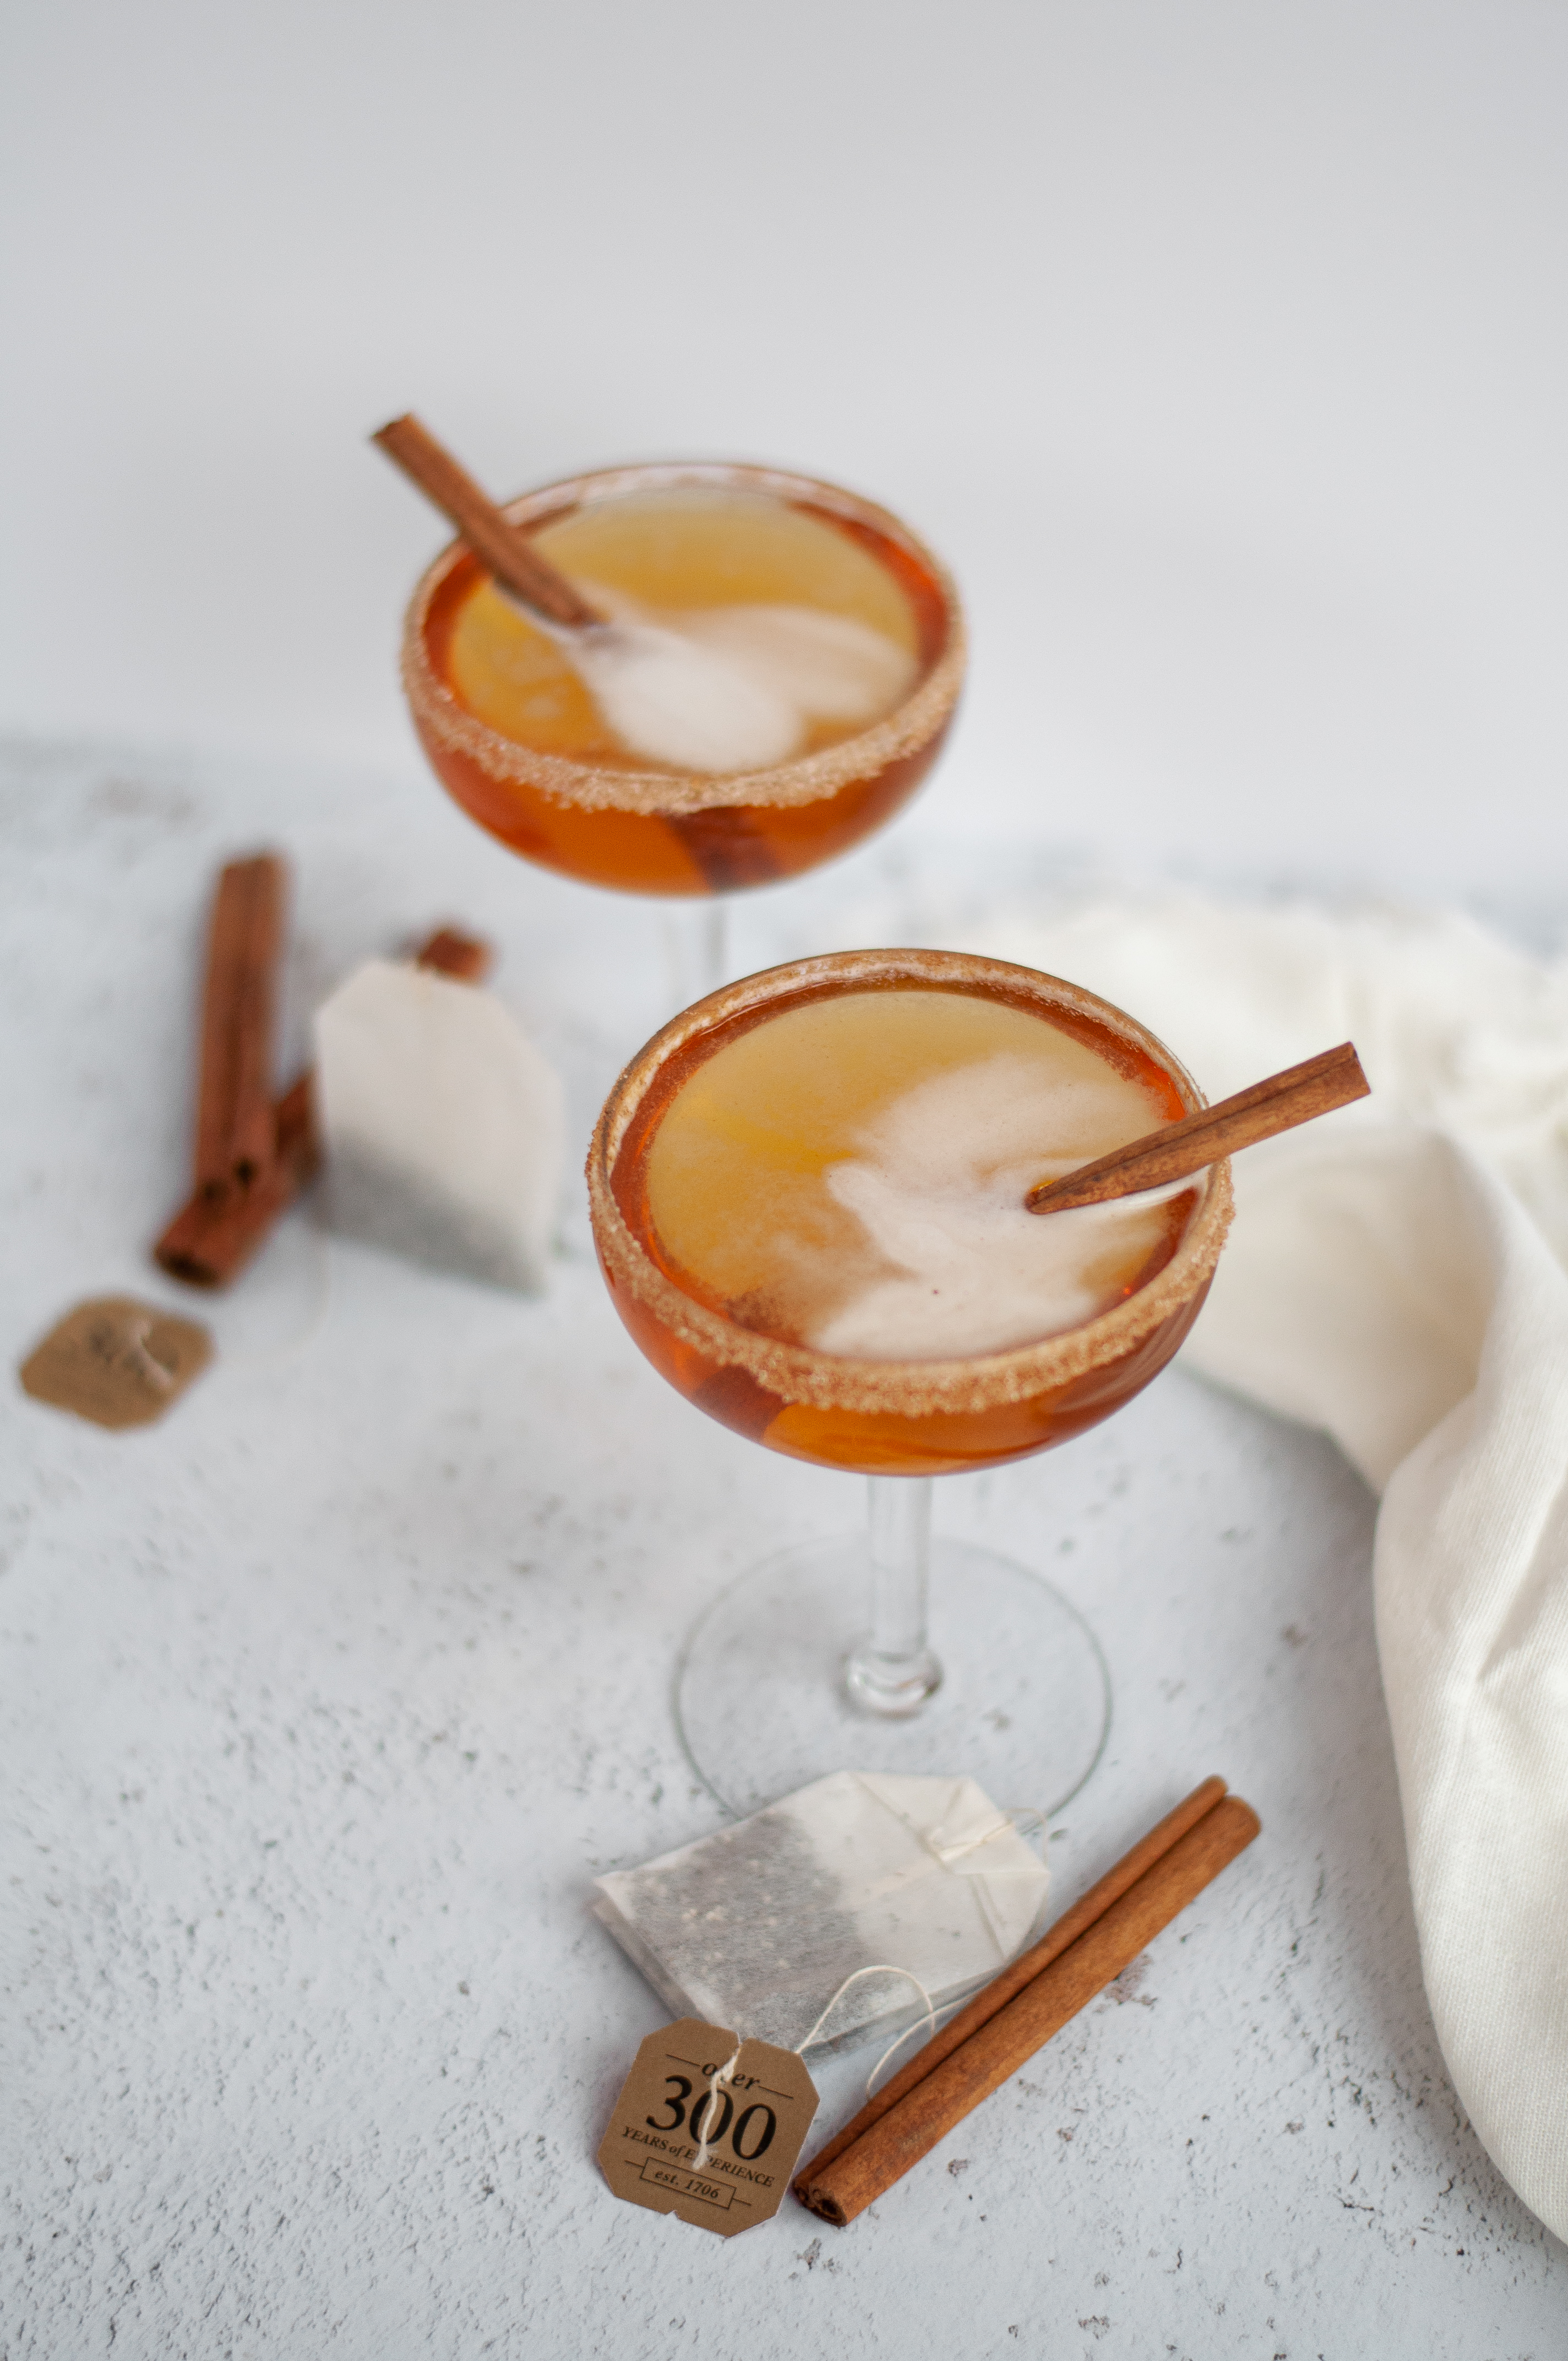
[853, 2177]
[493, 538]
[214, 1234]
[236, 1136]
[466, 959]
[210, 1239]
[1315, 1087]
[996, 1995]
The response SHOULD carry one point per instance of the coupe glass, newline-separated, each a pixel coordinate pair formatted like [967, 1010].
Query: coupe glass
[821, 1658]
[654, 829]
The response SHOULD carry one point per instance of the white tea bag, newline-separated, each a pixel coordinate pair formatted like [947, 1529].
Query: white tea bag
[761, 1925]
[444, 1127]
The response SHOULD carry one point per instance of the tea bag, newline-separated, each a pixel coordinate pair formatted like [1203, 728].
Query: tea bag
[444, 1127]
[762, 1925]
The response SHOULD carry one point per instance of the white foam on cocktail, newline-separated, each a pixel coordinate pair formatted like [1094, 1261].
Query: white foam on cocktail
[731, 688]
[939, 1189]
[831, 667]
[673, 700]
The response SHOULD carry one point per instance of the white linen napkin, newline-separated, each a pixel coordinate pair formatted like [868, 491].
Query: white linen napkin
[1396, 1276]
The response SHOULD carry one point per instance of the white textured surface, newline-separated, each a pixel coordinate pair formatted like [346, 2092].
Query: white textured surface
[325, 1702]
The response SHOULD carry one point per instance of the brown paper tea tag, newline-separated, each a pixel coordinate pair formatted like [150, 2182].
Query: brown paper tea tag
[707, 2127]
[115, 1361]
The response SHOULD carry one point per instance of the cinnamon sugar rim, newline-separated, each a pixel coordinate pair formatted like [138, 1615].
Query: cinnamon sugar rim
[797, 1373]
[900, 734]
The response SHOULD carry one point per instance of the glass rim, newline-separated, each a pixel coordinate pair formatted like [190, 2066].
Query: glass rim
[899, 736]
[799, 1373]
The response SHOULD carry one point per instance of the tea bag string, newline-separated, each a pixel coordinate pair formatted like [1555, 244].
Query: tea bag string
[1009, 1815]
[928, 2021]
[157, 1373]
[928, 2017]
[722, 2079]
[720, 2082]
[984, 1832]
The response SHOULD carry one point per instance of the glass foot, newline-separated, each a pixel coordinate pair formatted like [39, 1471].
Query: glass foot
[896, 1687]
[763, 1703]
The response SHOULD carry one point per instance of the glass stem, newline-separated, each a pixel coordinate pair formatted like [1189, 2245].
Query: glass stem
[696, 937]
[713, 957]
[892, 1669]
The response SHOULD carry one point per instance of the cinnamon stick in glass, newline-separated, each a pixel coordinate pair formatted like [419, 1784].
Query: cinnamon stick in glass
[1315, 1087]
[851, 2173]
[489, 534]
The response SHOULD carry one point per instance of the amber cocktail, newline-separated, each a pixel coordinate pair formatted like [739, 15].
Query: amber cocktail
[807, 1193]
[516, 740]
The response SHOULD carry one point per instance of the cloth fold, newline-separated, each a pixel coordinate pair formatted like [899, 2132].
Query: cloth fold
[1396, 1277]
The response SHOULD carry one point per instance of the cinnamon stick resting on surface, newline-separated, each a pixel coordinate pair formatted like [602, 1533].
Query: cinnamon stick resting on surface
[464, 958]
[990, 2039]
[236, 1136]
[995, 1995]
[1315, 1087]
[253, 1156]
[212, 1237]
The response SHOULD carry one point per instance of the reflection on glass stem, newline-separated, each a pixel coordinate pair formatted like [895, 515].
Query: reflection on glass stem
[892, 1671]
